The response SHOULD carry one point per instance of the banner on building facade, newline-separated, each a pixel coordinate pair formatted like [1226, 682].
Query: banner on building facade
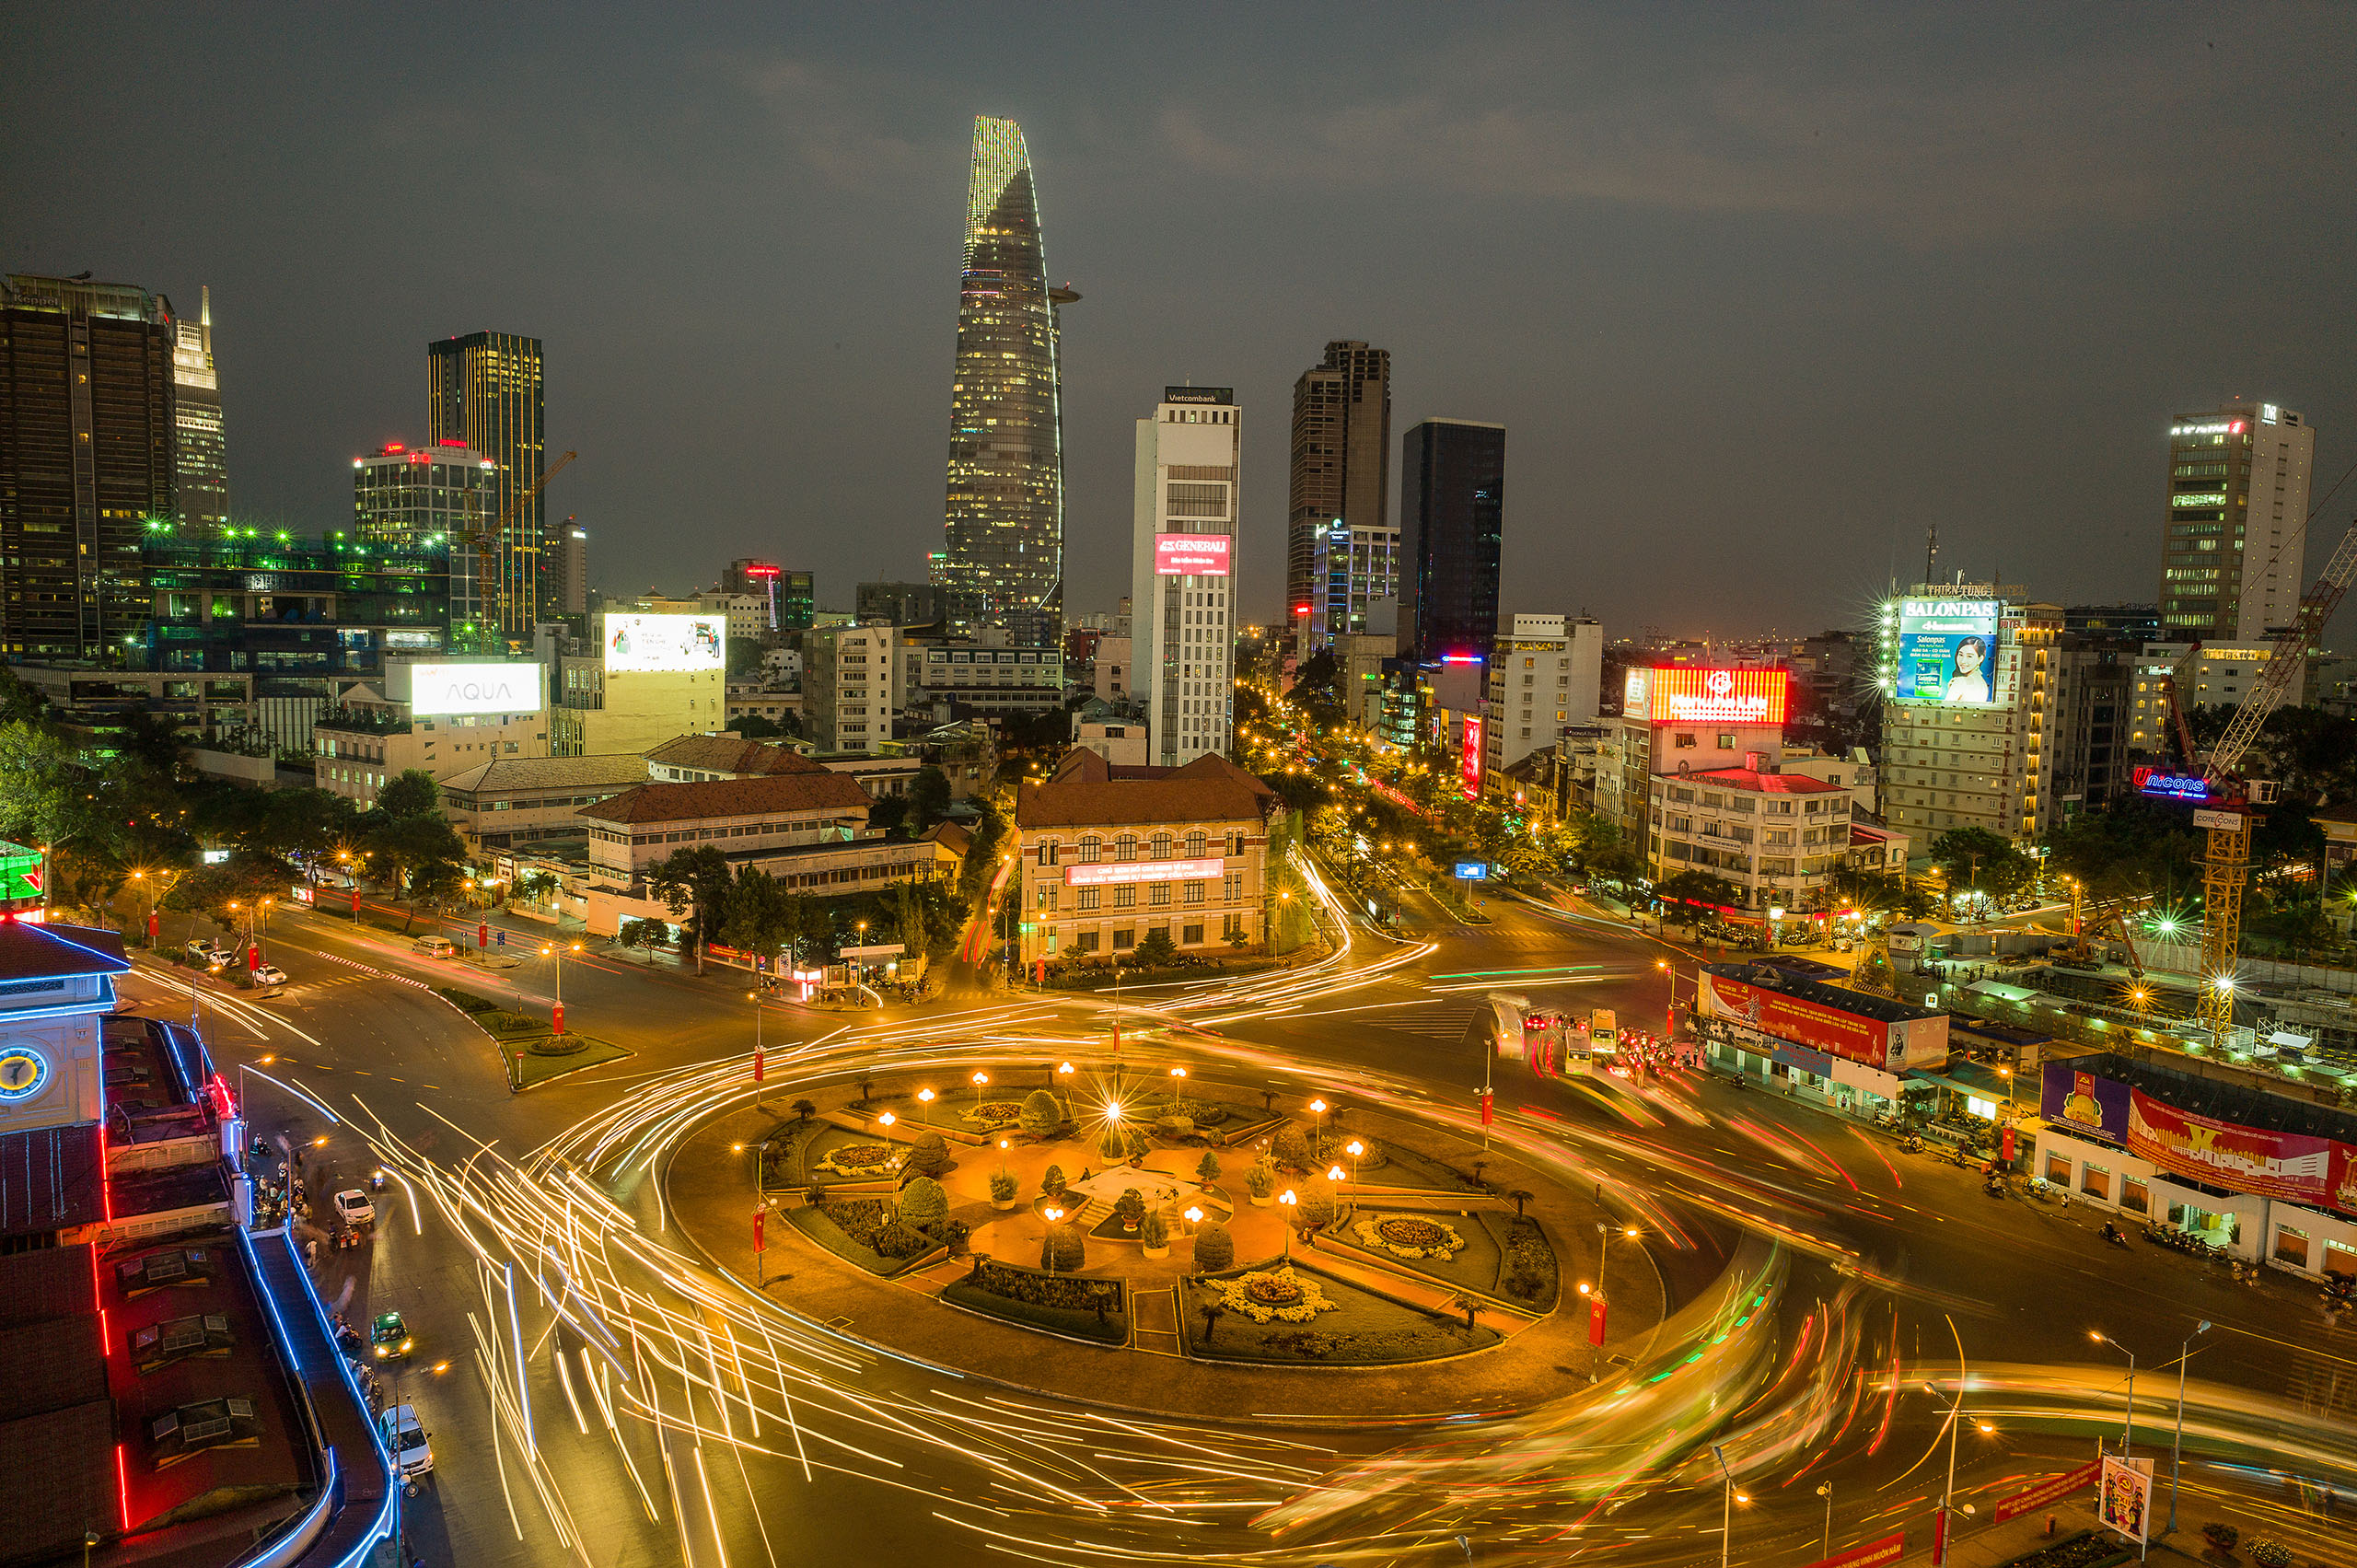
[2084, 1103]
[1891, 1045]
[2318, 1172]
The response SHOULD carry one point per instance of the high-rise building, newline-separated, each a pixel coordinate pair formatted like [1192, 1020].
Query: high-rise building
[852, 679]
[412, 498]
[1341, 460]
[1182, 570]
[484, 389]
[1003, 563]
[1545, 677]
[1452, 513]
[572, 595]
[87, 462]
[201, 452]
[1354, 586]
[2237, 513]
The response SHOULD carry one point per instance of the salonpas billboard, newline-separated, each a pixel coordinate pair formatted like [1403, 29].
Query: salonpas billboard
[440, 690]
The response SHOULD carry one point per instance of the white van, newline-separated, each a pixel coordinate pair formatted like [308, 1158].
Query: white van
[436, 947]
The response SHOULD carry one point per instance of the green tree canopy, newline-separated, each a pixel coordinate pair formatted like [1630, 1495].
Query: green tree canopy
[695, 883]
[410, 793]
[1975, 857]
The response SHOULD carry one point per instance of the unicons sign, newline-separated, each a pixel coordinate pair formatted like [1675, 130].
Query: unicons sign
[438, 689]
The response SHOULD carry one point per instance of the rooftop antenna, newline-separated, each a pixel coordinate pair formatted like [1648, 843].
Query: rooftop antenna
[1932, 554]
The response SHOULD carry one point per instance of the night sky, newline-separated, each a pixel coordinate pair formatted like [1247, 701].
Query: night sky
[1760, 296]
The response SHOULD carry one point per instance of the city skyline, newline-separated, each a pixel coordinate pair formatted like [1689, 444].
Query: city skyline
[1975, 315]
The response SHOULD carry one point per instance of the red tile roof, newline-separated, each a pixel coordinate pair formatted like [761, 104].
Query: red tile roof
[1766, 784]
[729, 754]
[831, 794]
[1084, 792]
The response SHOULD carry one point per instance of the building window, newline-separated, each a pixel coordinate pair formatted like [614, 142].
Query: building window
[1047, 852]
[1094, 898]
[1194, 892]
[2291, 1246]
[1231, 927]
[1230, 887]
[2058, 1167]
[2133, 1196]
[2094, 1181]
[1092, 850]
[1161, 846]
[1125, 898]
[1161, 893]
[1126, 847]
[1086, 942]
[1196, 844]
[1124, 936]
[1191, 935]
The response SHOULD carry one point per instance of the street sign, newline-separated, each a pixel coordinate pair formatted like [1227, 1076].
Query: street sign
[1472, 871]
[878, 952]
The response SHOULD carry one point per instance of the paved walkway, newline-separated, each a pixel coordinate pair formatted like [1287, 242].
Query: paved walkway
[712, 1196]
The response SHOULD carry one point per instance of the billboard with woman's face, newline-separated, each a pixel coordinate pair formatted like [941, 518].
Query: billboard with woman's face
[1947, 651]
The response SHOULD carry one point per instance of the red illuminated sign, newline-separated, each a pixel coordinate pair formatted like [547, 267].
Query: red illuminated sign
[1892, 1046]
[1682, 696]
[1102, 873]
[1191, 555]
[761, 570]
[1468, 762]
[2320, 1172]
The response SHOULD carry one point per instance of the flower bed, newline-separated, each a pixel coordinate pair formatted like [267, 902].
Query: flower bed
[1351, 1325]
[859, 1161]
[1406, 1235]
[993, 1112]
[1275, 1295]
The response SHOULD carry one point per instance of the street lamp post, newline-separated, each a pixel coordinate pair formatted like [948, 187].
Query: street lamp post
[754, 996]
[2176, 1442]
[1048, 1240]
[1825, 1548]
[1177, 1082]
[556, 950]
[1947, 1498]
[1316, 1125]
[1064, 1071]
[1287, 1199]
[1334, 1175]
[1726, 1514]
[977, 1080]
[2127, 1421]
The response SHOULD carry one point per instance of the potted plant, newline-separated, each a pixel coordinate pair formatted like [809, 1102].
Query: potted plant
[1052, 1184]
[1003, 1190]
[1132, 1208]
[1155, 1235]
[1261, 1182]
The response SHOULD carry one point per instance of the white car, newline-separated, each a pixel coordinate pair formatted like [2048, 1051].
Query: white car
[206, 951]
[270, 974]
[352, 1206]
[412, 1455]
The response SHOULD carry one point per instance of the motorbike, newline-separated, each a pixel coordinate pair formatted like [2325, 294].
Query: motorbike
[2111, 1233]
[1995, 1187]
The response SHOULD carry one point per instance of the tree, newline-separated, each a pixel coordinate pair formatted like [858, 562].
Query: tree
[1158, 951]
[1052, 1181]
[1215, 1248]
[1040, 1116]
[643, 934]
[1062, 1249]
[760, 915]
[929, 1156]
[1701, 888]
[1976, 857]
[887, 814]
[744, 656]
[1154, 1231]
[1207, 1169]
[400, 848]
[1130, 1207]
[1520, 1197]
[695, 883]
[928, 798]
[922, 1203]
[411, 792]
[752, 727]
[41, 794]
[434, 883]
[802, 1110]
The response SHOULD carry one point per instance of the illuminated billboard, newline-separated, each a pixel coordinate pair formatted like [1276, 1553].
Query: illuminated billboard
[439, 688]
[2164, 785]
[1678, 695]
[1105, 873]
[1947, 651]
[1191, 555]
[1469, 760]
[666, 642]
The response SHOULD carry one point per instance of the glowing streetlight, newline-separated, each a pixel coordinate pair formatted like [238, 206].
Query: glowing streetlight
[1177, 1082]
[1947, 1507]
[1195, 1216]
[1317, 1127]
[977, 1080]
[925, 1097]
[1051, 1214]
[1063, 1071]
[1286, 1198]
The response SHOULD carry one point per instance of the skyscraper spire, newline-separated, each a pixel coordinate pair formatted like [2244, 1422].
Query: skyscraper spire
[1003, 561]
[200, 444]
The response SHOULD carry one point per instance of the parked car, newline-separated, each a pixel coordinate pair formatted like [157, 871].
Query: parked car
[352, 1206]
[269, 974]
[412, 1455]
[389, 1335]
[204, 950]
[436, 947]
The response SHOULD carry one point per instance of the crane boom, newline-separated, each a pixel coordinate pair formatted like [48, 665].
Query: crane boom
[485, 544]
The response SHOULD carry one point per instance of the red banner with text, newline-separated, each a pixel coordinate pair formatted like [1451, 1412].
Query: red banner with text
[2052, 1490]
[1873, 1554]
[2319, 1172]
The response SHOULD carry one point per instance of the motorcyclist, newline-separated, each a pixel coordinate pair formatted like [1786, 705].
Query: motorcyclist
[2111, 1233]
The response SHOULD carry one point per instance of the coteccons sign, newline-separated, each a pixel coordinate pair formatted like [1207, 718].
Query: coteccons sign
[1191, 555]
[668, 643]
[449, 689]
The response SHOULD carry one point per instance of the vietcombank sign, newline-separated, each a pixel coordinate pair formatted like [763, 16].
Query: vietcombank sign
[1869, 1030]
[20, 876]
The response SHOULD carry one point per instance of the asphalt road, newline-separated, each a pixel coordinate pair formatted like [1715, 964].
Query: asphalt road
[1960, 1281]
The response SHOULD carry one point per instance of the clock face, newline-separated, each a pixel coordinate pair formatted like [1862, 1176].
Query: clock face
[23, 1072]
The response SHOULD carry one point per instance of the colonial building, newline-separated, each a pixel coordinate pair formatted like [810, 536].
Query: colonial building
[1110, 854]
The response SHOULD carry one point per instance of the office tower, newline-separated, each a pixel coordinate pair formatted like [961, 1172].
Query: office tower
[1182, 571]
[1546, 676]
[1354, 586]
[1452, 510]
[201, 453]
[899, 604]
[412, 498]
[572, 570]
[87, 461]
[484, 389]
[1342, 457]
[759, 578]
[1004, 521]
[2238, 510]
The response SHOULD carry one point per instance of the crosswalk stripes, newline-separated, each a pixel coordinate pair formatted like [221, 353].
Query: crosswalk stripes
[1432, 1025]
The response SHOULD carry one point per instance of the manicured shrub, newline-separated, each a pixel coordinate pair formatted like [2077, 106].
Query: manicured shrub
[1129, 1206]
[1317, 1213]
[922, 1203]
[1152, 1232]
[1214, 1249]
[1133, 1143]
[929, 1156]
[1052, 1181]
[1070, 1251]
[1207, 1169]
[1291, 1150]
[1212, 1137]
[1110, 1144]
[1040, 1116]
[1061, 1290]
[1002, 1187]
[897, 1240]
[1261, 1179]
[2222, 1535]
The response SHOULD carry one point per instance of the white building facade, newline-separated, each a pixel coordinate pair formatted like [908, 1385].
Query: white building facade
[1545, 676]
[1182, 570]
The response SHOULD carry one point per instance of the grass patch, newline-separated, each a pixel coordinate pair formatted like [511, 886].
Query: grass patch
[949, 1112]
[1080, 1325]
[466, 1002]
[528, 1065]
[1363, 1329]
[1531, 1276]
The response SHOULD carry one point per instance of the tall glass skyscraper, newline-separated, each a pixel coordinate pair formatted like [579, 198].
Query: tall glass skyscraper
[1452, 515]
[484, 389]
[1004, 560]
[200, 447]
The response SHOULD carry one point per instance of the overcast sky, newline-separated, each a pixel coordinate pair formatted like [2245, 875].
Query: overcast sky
[1761, 294]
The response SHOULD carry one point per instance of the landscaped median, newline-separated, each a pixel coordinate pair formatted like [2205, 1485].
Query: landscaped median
[1502, 1257]
[1291, 1312]
[531, 1055]
[869, 1232]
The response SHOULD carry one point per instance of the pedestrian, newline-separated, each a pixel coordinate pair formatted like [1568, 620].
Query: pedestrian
[311, 1251]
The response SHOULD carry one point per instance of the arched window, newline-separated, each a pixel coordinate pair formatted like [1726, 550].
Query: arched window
[1047, 849]
[1126, 847]
[1161, 846]
[1092, 850]
[1196, 844]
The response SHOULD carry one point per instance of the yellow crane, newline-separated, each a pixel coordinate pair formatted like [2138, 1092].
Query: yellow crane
[2225, 814]
[492, 583]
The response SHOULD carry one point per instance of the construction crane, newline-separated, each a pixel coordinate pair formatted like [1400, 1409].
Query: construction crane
[489, 582]
[2226, 813]
[2091, 918]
